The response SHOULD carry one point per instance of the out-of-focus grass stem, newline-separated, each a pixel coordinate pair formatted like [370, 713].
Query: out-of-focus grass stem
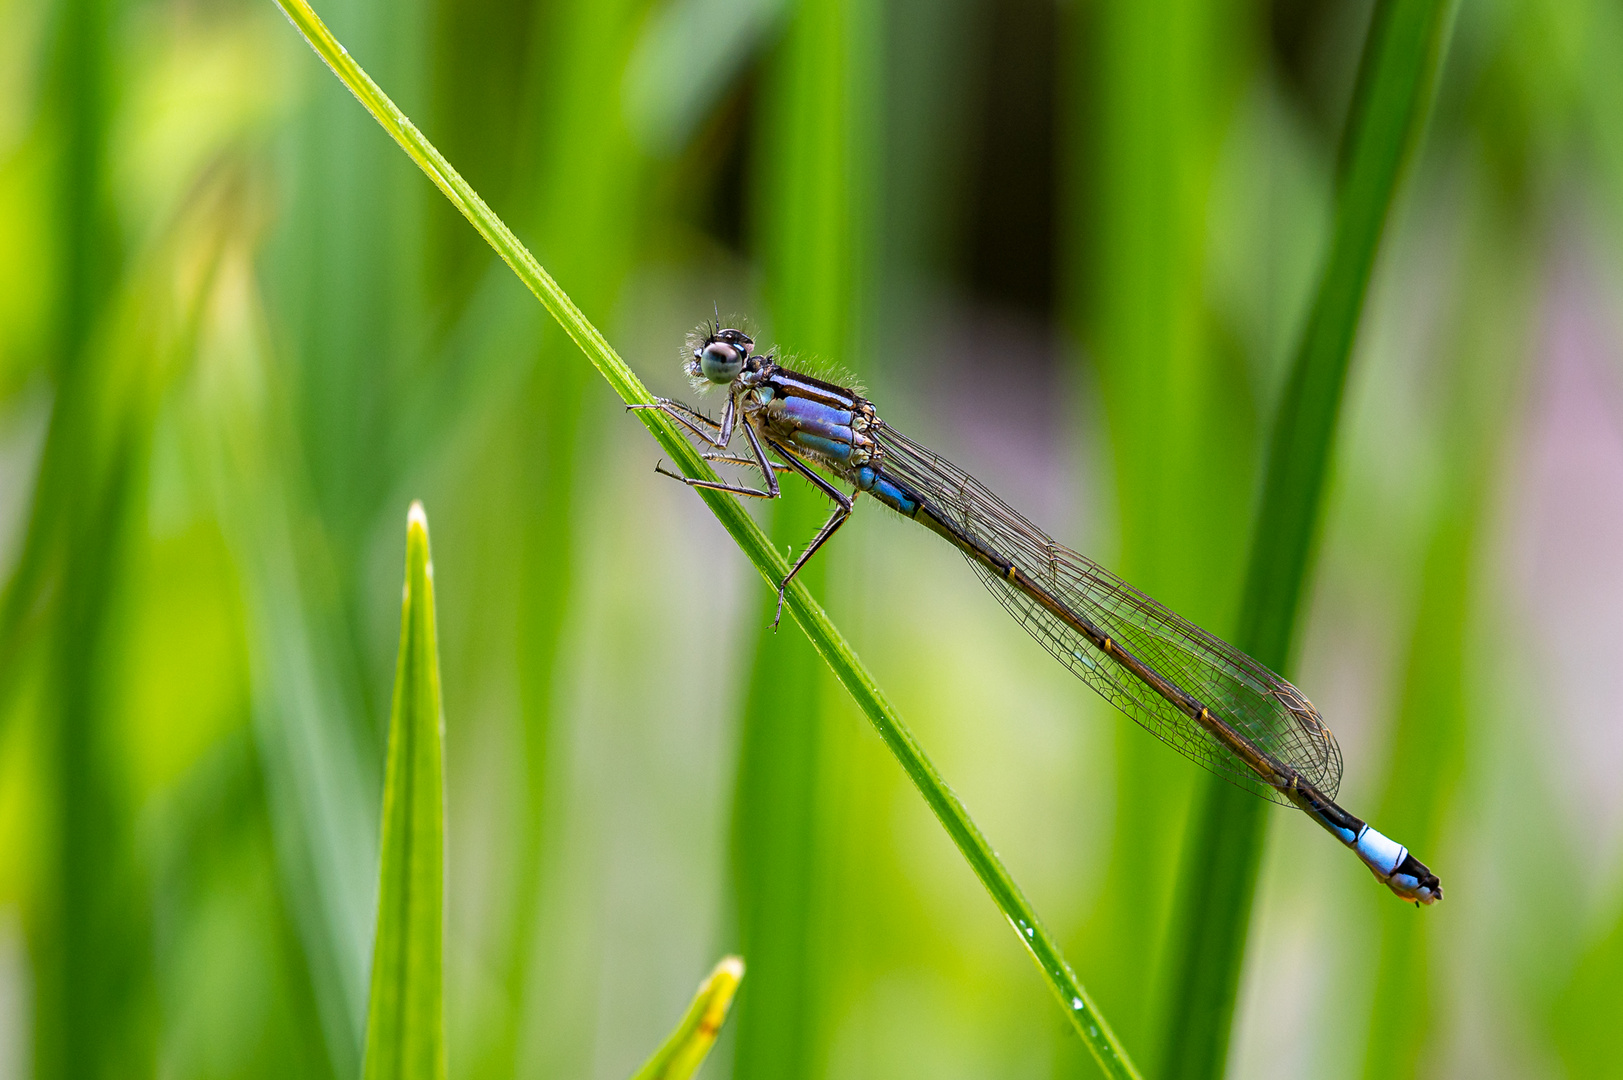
[1393, 96]
[1078, 1007]
[587, 179]
[1157, 78]
[96, 980]
[809, 196]
[1483, 365]
[94, 969]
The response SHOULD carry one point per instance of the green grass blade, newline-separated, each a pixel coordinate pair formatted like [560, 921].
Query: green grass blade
[1485, 364]
[1395, 81]
[809, 195]
[76, 1012]
[1181, 445]
[690, 1043]
[584, 197]
[405, 1025]
[1089, 1024]
[319, 783]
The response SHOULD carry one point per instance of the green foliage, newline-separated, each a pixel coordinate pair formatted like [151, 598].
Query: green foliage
[405, 1026]
[811, 191]
[690, 1042]
[238, 334]
[1073, 999]
[1179, 435]
[1390, 104]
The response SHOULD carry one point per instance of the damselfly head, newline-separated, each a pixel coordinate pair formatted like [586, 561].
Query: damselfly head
[720, 354]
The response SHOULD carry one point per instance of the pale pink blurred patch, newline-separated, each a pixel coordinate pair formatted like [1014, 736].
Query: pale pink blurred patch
[1566, 554]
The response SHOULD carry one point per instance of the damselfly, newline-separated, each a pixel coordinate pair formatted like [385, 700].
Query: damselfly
[1201, 696]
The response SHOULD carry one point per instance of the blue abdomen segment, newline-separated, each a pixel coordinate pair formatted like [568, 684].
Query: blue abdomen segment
[1342, 830]
[887, 491]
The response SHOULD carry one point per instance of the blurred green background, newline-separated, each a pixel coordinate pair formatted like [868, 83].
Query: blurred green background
[1071, 245]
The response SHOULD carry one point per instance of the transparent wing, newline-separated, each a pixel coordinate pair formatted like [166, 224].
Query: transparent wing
[1264, 708]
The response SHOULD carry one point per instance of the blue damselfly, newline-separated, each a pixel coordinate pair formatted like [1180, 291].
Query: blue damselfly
[1204, 698]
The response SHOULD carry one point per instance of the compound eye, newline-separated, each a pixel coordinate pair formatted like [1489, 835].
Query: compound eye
[720, 361]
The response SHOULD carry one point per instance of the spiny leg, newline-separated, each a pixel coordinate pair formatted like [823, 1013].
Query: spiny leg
[729, 459]
[729, 415]
[830, 527]
[842, 511]
[682, 408]
[696, 422]
[713, 485]
[760, 462]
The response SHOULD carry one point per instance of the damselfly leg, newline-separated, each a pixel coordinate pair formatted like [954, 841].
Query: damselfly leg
[729, 459]
[696, 423]
[706, 429]
[842, 511]
[718, 436]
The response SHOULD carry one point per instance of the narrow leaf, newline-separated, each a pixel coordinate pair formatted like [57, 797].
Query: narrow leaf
[405, 1029]
[811, 195]
[1395, 80]
[1083, 1015]
[688, 1045]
